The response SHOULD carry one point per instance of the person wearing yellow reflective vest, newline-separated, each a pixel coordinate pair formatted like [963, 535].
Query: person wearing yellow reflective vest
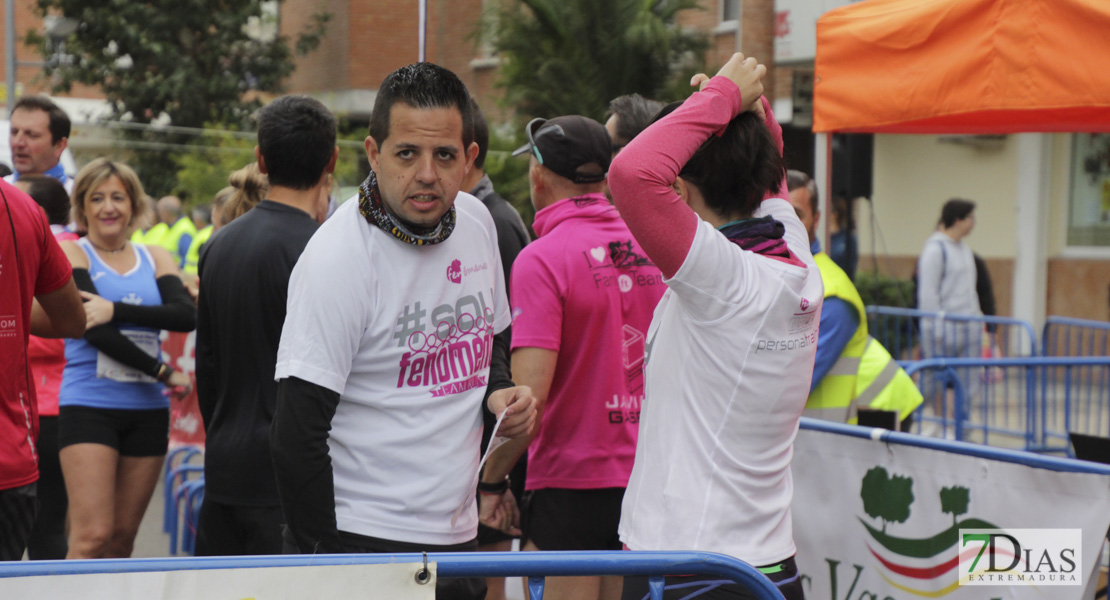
[148, 229]
[852, 370]
[202, 220]
[152, 236]
[180, 229]
[192, 257]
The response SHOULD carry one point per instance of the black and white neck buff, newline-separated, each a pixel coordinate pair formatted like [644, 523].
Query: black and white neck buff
[374, 211]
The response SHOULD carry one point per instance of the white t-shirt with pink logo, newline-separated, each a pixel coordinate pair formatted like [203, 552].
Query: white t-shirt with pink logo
[586, 290]
[403, 333]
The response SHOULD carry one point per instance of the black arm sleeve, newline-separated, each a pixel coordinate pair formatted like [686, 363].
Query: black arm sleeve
[500, 377]
[107, 338]
[299, 447]
[206, 360]
[500, 369]
[175, 313]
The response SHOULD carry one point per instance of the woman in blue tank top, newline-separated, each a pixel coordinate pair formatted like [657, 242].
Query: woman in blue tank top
[114, 418]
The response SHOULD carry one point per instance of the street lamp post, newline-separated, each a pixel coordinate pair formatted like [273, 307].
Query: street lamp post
[422, 25]
[9, 51]
[57, 30]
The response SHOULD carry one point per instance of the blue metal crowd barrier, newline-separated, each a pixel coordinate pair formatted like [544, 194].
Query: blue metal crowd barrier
[1029, 459]
[535, 566]
[178, 469]
[1065, 336]
[910, 334]
[1031, 403]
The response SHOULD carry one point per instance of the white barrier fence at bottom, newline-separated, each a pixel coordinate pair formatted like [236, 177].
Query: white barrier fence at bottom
[348, 576]
[323, 581]
[880, 515]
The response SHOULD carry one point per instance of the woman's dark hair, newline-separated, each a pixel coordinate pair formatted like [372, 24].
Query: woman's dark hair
[954, 210]
[51, 195]
[735, 170]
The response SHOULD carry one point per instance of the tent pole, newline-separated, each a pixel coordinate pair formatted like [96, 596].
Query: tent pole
[822, 176]
[1030, 262]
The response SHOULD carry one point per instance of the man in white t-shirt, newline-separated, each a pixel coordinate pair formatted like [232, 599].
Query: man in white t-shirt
[391, 341]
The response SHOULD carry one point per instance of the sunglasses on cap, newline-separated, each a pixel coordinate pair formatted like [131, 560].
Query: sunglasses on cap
[533, 125]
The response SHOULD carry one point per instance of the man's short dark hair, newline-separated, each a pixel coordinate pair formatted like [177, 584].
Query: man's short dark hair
[634, 114]
[59, 120]
[481, 133]
[296, 137]
[421, 85]
[954, 210]
[51, 195]
[736, 170]
[797, 179]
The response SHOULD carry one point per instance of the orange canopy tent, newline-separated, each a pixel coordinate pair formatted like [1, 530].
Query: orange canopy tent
[963, 66]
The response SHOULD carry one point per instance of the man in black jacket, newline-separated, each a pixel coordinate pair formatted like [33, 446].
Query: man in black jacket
[244, 278]
[512, 237]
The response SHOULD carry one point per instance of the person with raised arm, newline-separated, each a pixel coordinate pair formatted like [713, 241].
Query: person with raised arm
[731, 346]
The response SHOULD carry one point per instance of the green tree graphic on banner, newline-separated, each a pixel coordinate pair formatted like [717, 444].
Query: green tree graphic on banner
[887, 498]
[954, 500]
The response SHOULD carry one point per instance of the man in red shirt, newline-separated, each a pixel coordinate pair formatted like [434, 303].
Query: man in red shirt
[32, 266]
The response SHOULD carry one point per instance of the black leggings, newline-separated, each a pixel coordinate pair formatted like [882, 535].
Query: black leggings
[48, 538]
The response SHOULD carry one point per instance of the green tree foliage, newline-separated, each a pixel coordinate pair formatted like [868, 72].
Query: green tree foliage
[509, 174]
[194, 61]
[884, 290]
[565, 57]
[205, 170]
[955, 500]
[886, 498]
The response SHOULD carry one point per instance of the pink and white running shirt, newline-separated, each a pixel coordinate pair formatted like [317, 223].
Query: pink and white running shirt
[586, 290]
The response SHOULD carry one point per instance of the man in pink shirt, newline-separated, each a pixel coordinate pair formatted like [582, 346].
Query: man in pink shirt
[582, 296]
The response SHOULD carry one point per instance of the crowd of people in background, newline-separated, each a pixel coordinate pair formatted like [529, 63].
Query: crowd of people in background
[354, 361]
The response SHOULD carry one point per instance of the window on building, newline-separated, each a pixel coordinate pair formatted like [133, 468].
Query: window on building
[730, 10]
[1089, 204]
[486, 57]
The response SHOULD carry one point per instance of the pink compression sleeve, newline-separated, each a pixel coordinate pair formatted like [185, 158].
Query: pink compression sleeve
[641, 176]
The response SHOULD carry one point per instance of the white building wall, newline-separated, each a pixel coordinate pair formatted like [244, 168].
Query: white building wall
[915, 174]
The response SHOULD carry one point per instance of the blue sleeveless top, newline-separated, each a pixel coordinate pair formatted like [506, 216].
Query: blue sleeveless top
[92, 378]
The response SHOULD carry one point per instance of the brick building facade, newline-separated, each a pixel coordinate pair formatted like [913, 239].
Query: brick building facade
[365, 41]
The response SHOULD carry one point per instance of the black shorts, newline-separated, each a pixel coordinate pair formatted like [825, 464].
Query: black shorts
[131, 432]
[562, 519]
[447, 588]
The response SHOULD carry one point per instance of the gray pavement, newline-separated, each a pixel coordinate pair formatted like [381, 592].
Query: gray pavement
[151, 541]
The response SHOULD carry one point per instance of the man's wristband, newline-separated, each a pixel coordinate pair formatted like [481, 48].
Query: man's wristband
[164, 372]
[494, 489]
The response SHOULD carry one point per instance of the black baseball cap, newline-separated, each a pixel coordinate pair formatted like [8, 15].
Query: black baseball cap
[566, 144]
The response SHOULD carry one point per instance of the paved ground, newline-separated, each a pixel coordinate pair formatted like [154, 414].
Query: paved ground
[151, 542]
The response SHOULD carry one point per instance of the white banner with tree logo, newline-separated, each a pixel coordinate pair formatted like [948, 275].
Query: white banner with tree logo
[881, 521]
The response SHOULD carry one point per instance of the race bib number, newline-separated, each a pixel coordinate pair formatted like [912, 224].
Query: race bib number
[110, 368]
